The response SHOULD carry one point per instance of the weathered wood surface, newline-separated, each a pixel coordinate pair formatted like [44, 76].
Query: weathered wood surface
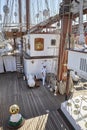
[37, 105]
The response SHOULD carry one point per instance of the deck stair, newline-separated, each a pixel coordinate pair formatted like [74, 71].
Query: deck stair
[19, 65]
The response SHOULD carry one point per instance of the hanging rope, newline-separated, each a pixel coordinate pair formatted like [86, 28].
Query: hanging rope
[37, 15]
[33, 11]
[0, 12]
[15, 13]
[11, 14]
[6, 11]
[47, 6]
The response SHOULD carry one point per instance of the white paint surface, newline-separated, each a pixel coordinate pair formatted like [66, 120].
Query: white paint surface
[74, 62]
[49, 50]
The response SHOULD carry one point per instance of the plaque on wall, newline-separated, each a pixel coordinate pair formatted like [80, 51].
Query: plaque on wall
[39, 44]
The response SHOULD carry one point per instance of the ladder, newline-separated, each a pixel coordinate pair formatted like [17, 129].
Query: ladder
[19, 65]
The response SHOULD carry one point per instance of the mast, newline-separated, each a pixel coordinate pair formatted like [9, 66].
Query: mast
[27, 24]
[27, 15]
[20, 16]
[66, 27]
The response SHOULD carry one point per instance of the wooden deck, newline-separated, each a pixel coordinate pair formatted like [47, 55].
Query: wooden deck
[37, 105]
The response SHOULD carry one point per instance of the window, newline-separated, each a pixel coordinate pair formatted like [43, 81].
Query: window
[53, 42]
[39, 44]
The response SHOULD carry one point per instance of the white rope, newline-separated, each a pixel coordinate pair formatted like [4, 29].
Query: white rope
[0, 6]
[16, 10]
[11, 15]
[5, 16]
[38, 11]
[0, 14]
[33, 11]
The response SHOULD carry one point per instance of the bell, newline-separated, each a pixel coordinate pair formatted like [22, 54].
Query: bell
[14, 109]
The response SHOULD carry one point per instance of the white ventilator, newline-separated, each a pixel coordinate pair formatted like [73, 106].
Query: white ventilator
[31, 81]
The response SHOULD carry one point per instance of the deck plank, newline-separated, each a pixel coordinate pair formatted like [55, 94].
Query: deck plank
[34, 104]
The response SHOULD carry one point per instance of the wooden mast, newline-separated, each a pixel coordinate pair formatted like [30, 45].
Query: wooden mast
[20, 21]
[66, 22]
[27, 15]
[66, 27]
[20, 16]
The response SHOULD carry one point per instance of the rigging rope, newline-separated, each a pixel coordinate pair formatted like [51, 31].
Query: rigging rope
[15, 13]
[6, 11]
[37, 11]
[9, 17]
[33, 12]
[0, 6]
[0, 13]
[10, 13]
[47, 6]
